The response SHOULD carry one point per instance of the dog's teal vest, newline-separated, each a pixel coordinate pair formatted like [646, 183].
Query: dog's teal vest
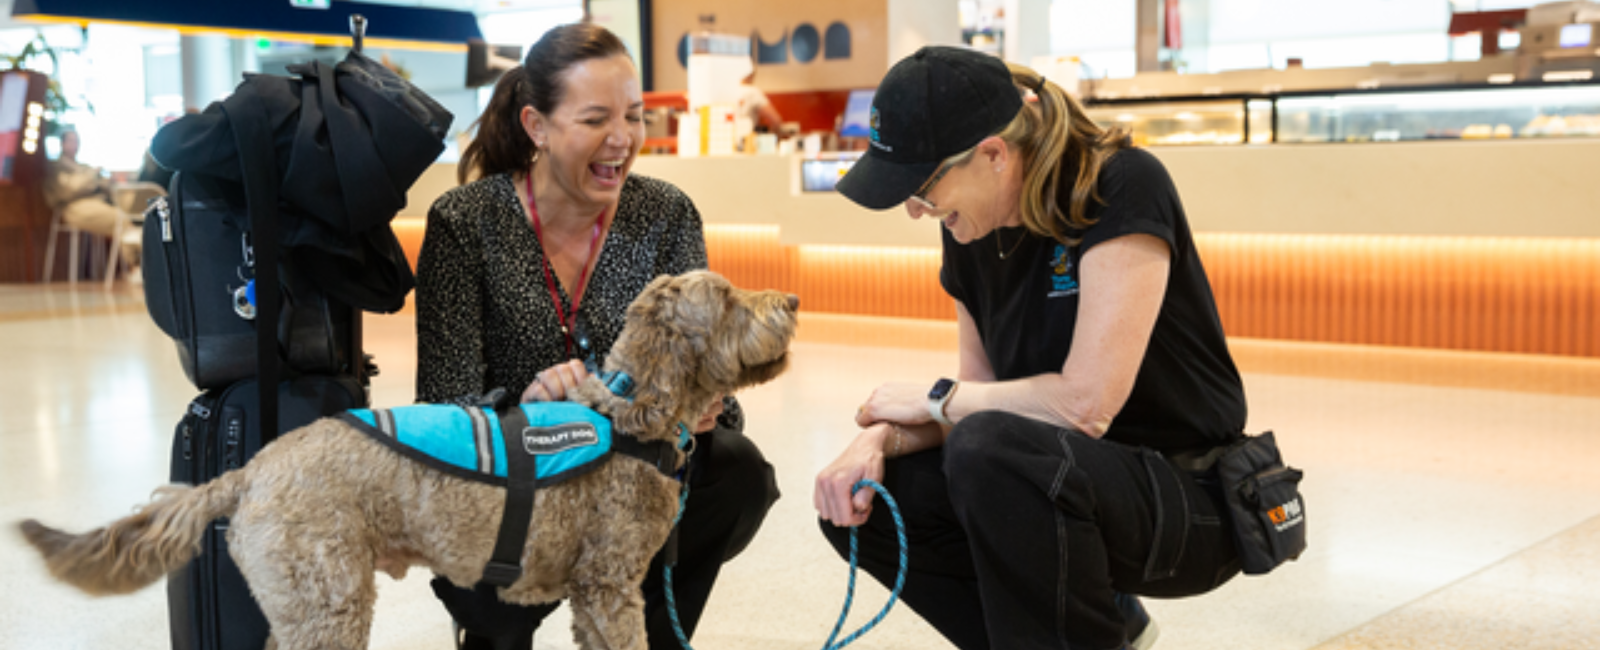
[549, 442]
[565, 439]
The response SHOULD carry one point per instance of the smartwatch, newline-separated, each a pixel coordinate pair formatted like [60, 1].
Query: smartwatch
[940, 395]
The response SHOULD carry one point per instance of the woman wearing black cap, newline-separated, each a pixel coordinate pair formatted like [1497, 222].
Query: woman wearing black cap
[1061, 471]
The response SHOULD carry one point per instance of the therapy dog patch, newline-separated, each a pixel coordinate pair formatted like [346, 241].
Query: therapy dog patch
[560, 438]
[565, 439]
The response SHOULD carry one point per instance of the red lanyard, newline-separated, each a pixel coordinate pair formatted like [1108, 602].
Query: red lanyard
[549, 281]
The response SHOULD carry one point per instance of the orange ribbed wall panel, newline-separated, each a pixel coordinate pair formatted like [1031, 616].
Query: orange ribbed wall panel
[868, 280]
[751, 256]
[1493, 294]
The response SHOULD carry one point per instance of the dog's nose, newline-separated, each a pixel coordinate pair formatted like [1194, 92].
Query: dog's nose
[794, 302]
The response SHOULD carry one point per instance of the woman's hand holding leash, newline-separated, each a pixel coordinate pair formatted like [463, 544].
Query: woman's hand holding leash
[862, 459]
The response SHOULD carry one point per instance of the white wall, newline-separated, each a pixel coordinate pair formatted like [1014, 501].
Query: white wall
[208, 73]
[1027, 30]
[915, 23]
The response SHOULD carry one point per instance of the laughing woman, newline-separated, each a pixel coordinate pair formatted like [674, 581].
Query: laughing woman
[555, 236]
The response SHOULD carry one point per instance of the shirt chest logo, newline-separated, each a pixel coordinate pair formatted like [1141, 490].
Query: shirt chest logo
[1062, 282]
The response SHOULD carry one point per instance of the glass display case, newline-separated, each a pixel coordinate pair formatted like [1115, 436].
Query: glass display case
[1218, 120]
[1483, 113]
[1364, 115]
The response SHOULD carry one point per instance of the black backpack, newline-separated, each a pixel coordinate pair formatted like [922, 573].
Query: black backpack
[280, 214]
[197, 266]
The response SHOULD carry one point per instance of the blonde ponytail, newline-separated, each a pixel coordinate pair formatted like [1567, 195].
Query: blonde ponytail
[1052, 134]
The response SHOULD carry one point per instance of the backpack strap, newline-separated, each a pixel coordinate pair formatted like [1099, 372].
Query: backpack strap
[259, 170]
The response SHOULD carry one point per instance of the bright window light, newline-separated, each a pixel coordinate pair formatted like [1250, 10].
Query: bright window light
[1257, 34]
[1078, 26]
[525, 27]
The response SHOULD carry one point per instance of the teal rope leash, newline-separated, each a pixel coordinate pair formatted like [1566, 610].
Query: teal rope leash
[899, 579]
[672, 603]
[850, 592]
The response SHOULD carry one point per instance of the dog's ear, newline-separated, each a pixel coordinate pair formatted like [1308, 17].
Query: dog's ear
[723, 361]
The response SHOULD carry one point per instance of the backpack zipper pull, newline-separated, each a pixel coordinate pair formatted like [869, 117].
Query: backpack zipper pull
[160, 207]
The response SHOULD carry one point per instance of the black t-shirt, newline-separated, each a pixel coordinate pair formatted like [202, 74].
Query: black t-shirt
[1187, 394]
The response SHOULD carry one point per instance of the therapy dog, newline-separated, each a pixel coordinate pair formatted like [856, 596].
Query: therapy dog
[320, 510]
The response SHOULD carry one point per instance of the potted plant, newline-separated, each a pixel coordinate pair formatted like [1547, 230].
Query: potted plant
[55, 100]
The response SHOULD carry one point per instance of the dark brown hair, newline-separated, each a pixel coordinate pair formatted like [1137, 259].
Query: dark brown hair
[501, 145]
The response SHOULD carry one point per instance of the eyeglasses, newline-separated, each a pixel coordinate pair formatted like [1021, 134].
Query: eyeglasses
[921, 195]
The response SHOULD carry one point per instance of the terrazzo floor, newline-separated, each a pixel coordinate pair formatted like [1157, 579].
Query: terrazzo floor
[1443, 513]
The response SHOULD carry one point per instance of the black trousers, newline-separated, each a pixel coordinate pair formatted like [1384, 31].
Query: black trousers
[1021, 533]
[731, 487]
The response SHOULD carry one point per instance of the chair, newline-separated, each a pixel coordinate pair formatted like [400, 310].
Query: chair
[58, 226]
[131, 200]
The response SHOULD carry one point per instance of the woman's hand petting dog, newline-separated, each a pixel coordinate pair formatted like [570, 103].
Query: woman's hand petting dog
[553, 383]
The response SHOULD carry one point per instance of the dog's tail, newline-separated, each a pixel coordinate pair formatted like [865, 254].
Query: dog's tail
[139, 549]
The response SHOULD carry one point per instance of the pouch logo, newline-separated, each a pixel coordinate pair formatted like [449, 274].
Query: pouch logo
[1061, 281]
[1287, 515]
[541, 441]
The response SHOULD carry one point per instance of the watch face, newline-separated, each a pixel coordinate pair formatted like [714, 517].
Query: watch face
[940, 389]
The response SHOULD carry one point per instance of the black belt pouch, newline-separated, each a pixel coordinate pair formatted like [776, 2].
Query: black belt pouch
[1263, 499]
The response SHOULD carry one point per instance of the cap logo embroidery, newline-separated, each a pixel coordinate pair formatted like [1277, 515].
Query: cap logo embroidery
[872, 128]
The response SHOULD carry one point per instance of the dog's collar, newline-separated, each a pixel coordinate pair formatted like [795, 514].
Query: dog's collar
[619, 383]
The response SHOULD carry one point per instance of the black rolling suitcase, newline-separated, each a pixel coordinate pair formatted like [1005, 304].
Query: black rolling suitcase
[210, 607]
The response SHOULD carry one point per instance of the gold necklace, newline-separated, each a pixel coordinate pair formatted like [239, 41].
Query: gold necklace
[1001, 248]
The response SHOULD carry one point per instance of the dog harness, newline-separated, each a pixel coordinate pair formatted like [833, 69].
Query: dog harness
[549, 442]
[565, 439]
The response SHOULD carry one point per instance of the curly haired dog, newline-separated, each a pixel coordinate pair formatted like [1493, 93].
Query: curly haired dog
[316, 513]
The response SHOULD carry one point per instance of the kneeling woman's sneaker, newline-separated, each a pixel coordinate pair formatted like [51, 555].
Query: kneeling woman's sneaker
[1141, 629]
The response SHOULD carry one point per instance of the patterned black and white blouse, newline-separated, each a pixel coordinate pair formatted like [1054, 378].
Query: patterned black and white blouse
[484, 316]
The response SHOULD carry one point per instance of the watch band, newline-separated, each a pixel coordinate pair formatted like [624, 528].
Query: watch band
[936, 410]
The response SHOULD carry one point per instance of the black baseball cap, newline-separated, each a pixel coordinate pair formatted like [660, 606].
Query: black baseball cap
[933, 104]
